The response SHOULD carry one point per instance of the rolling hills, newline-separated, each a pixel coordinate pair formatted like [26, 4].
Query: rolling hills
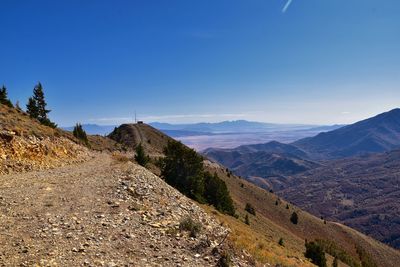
[349, 174]
[378, 134]
[362, 192]
[272, 217]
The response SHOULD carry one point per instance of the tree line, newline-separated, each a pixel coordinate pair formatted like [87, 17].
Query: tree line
[36, 106]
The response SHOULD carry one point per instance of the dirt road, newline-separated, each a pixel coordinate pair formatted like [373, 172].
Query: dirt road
[99, 213]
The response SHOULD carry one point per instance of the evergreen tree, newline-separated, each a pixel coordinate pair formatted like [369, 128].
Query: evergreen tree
[31, 108]
[316, 253]
[36, 107]
[294, 218]
[183, 168]
[216, 193]
[4, 98]
[80, 133]
[141, 156]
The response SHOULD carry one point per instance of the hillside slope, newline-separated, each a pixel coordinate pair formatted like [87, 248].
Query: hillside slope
[26, 145]
[96, 208]
[362, 192]
[377, 134]
[272, 222]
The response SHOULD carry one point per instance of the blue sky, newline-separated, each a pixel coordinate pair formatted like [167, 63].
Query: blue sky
[322, 62]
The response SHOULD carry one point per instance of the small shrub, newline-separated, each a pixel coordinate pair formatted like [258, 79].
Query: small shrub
[246, 219]
[141, 157]
[316, 253]
[250, 209]
[119, 157]
[280, 242]
[287, 206]
[79, 133]
[188, 224]
[276, 203]
[294, 218]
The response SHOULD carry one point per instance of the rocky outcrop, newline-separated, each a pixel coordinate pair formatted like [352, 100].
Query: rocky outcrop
[27, 152]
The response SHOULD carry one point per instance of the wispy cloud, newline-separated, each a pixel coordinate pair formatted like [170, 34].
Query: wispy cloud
[288, 3]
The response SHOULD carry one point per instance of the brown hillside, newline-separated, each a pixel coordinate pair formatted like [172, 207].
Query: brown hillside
[272, 221]
[25, 144]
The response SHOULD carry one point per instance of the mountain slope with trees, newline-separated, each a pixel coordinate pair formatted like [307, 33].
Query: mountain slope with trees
[271, 221]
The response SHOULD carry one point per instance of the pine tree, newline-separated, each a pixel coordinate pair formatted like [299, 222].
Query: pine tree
[36, 107]
[294, 218]
[32, 109]
[183, 169]
[141, 156]
[316, 253]
[38, 95]
[80, 133]
[4, 98]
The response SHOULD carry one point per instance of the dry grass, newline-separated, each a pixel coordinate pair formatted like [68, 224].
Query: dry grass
[261, 247]
[272, 223]
[119, 157]
[21, 124]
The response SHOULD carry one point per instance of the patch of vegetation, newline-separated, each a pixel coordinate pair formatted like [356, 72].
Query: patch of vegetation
[366, 260]
[120, 157]
[183, 169]
[280, 242]
[36, 107]
[188, 224]
[80, 133]
[316, 253]
[141, 157]
[4, 98]
[250, 209]
[217, 194]
[246, 219]
[333, 249]
[294, 218]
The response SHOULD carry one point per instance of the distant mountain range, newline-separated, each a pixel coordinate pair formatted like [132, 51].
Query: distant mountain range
[238, 126]
[349, 174]
[378, 134]
[204, 129]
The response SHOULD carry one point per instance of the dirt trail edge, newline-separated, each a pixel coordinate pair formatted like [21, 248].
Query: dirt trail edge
[101, 213]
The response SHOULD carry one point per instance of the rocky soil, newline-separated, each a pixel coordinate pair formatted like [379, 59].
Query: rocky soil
[103, 212]
[19, 153]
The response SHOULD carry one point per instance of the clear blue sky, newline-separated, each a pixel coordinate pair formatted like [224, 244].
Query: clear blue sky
[320, 61]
